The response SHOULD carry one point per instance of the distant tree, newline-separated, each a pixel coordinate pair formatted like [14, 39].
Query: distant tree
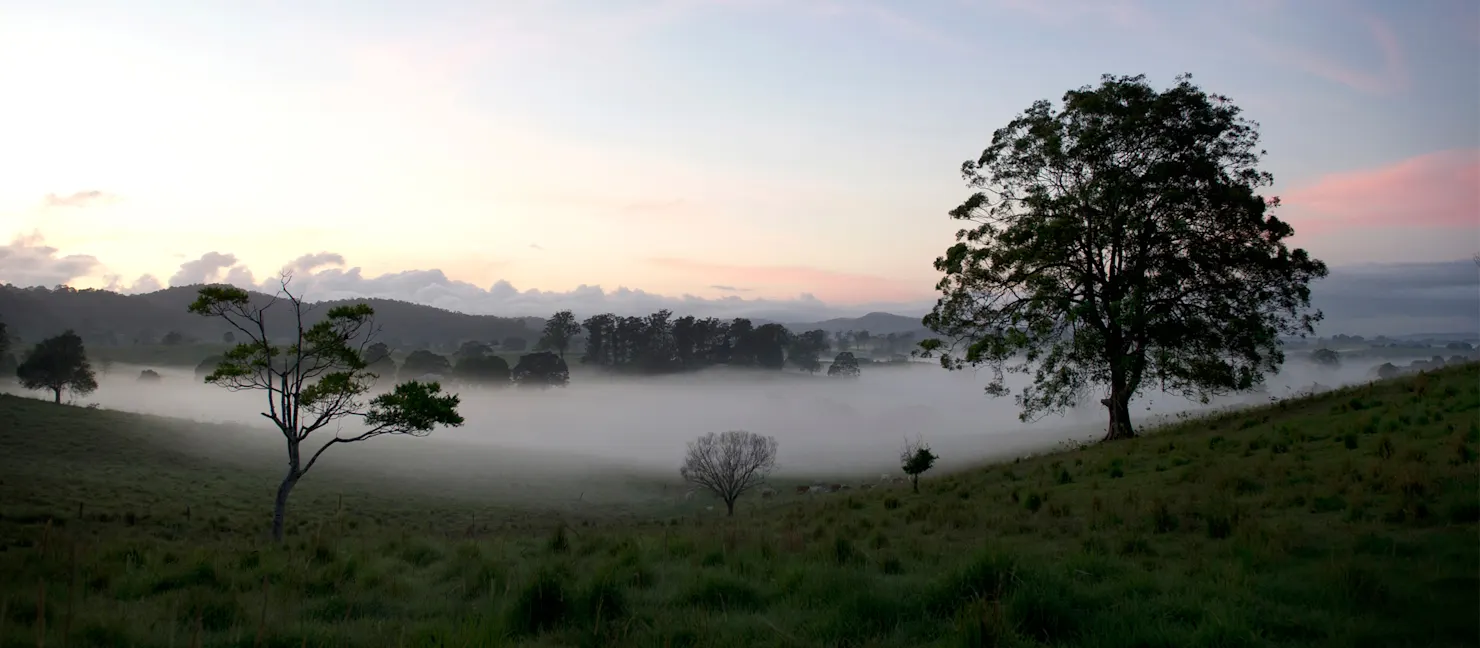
[150, 375]
[843, 338]
[1388, 370]
[1326, 358]
[1121, 242]
[559, 330]
[915, 459]
[318, 380]
[228, 337]
[207, 366]
[862, 339]
[56, 364]
[1452, 346]
[541, 369]
[4, 339]
[422, 362]
[729, 464]
[378, 360]
[807, 349]
[769, 343]
[488, 369]
[515, 343]
[8, 366]
[172, 338]
[844, 366]
[473, 349]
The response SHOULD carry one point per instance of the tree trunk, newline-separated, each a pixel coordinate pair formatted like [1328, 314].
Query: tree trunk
[1120, 417]
[56, 395]
[729, 508]
[280, 506]
[915, 483]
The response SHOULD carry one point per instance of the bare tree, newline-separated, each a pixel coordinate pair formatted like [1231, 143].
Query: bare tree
[319, 378]
[729, 464]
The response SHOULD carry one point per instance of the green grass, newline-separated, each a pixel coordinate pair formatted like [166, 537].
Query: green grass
[1346, 519]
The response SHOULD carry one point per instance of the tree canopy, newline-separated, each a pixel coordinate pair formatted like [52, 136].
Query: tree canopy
[559, 330]
[57, 364]
[541, 369]
[1117, 242]
[844, 366]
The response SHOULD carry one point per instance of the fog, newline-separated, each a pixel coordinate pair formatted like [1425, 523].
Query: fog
[825, 427]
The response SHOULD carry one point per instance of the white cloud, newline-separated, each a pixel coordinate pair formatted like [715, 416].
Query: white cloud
[28, 261]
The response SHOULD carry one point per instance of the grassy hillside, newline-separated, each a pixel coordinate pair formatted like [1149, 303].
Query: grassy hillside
[1348, 519]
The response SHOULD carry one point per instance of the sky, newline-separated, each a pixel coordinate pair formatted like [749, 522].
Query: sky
[717, 155]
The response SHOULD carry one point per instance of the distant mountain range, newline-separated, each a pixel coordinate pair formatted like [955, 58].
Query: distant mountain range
[107, 318]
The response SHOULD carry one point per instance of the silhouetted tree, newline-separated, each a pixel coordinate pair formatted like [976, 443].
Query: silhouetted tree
[844, 366]
[4, 339]
[172, 338]
[559, 330]
[515, 344]
[541, 369]
[422, 362]
[322, 380]
[487, 369]
[58, 363]
[1121, 241]
[150, 376]
[473, 349]
[8, 365]
[228, 337]
[729, 464]
[1326, 358]
[768, 343]
[915, 459]
[807, 348]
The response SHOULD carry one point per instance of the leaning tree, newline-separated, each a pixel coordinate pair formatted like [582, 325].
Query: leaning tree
[1121, 242]
[729, 464]
[317, 379]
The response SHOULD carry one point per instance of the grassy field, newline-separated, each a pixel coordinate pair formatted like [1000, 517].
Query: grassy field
[1346, 519]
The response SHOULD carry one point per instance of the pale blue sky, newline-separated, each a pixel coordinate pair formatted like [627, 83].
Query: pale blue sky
[675, 146]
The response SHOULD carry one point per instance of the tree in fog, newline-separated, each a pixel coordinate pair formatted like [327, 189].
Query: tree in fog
[844, 366]
[422, 362]
[1326, 358]
[541, 369]
[729, 464]
[207, 366]
[559, 330]
[378, 360]
[486, 369]
[1121, 242]
[58, 363]
[806, 349]
[317, 381]
[473, 349]
[915, 459]
[4, 339]
[149, 376]
[7, 361]
[515, 343]
[228, 337]
[172, 338]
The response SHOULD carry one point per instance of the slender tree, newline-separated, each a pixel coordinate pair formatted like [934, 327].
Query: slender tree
[318, 379]
[729, 464]
[58, 363]
[1121, 242]
[560, 329]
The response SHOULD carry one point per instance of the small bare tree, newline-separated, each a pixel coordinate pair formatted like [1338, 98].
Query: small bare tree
[729, 464]
[915, 459]
[319, 378]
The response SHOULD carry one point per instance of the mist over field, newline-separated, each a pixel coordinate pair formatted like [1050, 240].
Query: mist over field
[640, 426]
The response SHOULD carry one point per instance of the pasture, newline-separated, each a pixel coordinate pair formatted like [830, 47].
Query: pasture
[1344, 519]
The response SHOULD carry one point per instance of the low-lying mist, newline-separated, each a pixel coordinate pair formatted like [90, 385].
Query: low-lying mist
[825, 427]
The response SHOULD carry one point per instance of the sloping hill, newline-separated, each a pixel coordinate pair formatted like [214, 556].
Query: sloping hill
[1345, 519]
[875, 323]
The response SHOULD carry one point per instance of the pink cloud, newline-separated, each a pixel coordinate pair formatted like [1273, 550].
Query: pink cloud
[828, 285]
[1434, 190]
[1388, 77]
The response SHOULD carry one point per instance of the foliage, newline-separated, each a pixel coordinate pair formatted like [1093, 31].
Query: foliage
[915, 459]
[1326, 357]
[58, 363]
[487, 369]
[320, 379]
[806, 350]
[422, 362]
[558, 332]
[659, 343]
[1121, 242]
[729, 464]
[844, 366]
[541, 369]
